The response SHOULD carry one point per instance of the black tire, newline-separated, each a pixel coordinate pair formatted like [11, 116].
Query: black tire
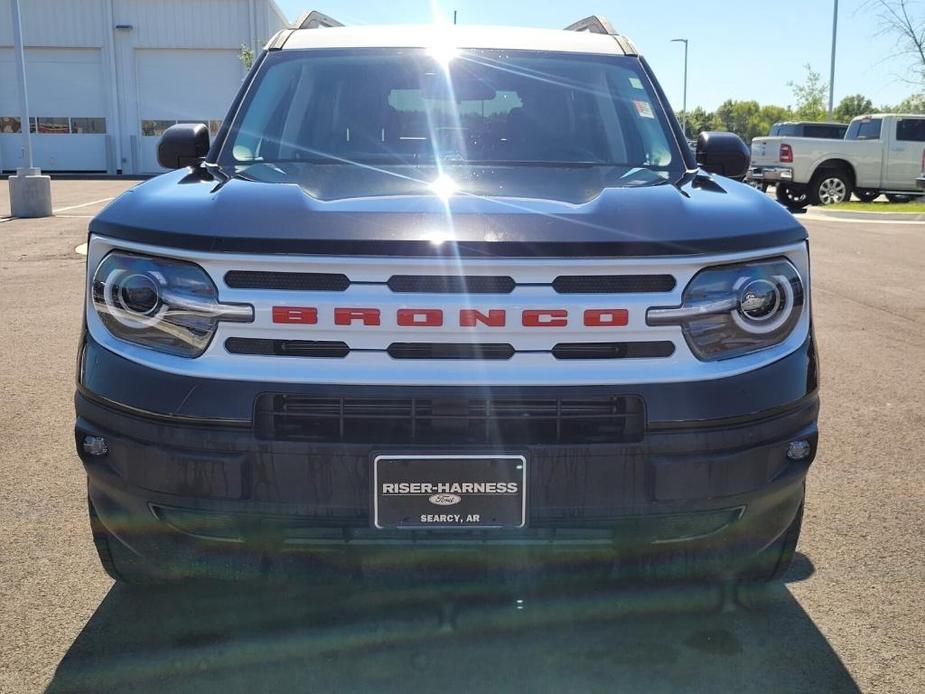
[790, 197]
[867, 195]
[775, 560]
[830, 187]
[894, 198]
[116, 559]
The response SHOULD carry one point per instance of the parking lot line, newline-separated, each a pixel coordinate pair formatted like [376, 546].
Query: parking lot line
[83, 204]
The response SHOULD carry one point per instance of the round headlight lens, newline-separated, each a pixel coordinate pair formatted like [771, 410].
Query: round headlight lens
[759, 299]
[139, 294]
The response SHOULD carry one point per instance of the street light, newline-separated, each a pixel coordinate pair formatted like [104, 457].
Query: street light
[684, 107]
[832, 68]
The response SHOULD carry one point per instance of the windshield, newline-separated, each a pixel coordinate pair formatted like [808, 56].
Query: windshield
[382, 109]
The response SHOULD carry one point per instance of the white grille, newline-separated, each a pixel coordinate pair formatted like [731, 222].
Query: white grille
[368, 362]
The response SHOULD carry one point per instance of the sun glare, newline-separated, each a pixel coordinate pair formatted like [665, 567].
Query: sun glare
[444, 187]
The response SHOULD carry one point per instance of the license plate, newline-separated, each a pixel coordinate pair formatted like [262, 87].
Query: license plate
[449, 491]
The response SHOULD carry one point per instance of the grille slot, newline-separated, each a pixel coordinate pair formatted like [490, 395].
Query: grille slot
[613, 350]
[449, 350]
[450, 284]
[456, 421]
[287, 281]
[613, 284]
[286, 348]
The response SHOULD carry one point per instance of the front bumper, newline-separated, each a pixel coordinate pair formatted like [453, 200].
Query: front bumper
[771, 174]
[182, 490]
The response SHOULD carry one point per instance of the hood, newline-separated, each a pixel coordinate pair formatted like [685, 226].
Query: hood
[192, 209]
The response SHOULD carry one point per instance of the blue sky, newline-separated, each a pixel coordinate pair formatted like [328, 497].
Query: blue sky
[739, 49]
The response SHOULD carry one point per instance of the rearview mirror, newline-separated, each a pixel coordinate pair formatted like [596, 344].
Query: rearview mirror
[184, 144]
[724, 154]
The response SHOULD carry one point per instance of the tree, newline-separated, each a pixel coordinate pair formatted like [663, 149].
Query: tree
[810, 96]
[911, 104]
[774, 114]
[246, 56]
[698, 120]
[747, 119]
[907, 26]
[852, 107]
[740, 117]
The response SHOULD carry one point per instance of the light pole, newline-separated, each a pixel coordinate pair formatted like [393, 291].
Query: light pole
[832, 69]
[19, 53]
[684, 107]
[30, 191]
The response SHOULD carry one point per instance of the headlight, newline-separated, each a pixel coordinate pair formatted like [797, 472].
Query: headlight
[167, 305]
[733, 310]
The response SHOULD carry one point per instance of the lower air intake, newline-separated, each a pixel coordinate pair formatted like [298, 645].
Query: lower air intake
[390, 421]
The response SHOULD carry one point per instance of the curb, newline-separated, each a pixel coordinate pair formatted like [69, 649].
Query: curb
[867, 216]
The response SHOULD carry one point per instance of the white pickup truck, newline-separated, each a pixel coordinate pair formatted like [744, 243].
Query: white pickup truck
[883, 153]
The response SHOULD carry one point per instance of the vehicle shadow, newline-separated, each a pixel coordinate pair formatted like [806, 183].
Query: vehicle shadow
[572, 636]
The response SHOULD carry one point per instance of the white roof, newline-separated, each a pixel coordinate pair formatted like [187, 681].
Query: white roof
[459, 36]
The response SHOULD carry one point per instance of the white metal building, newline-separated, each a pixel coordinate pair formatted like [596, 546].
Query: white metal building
[106, 77]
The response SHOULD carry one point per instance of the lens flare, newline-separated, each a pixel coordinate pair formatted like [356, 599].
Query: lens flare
[444, 187]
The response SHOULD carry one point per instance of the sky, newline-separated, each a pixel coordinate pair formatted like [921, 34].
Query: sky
[739, 49]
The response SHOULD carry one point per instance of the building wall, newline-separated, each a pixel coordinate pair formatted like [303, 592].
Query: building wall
[106, 77]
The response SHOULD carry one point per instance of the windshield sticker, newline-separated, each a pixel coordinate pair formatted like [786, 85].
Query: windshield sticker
[635, 83]
[644, 109]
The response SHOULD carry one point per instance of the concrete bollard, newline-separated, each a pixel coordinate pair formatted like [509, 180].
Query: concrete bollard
[30, 194]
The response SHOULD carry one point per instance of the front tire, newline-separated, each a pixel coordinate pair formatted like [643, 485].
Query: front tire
[791, 198]
[830, 187]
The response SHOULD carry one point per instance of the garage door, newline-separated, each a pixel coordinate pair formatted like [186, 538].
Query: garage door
[181, 86]
[68, 105]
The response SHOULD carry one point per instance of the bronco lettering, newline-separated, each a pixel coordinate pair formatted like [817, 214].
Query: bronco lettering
[468, 318]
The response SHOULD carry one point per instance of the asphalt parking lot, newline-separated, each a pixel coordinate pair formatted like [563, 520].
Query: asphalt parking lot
[849, 618]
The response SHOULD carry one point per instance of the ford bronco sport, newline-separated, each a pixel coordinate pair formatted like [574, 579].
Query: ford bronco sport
[455, 295]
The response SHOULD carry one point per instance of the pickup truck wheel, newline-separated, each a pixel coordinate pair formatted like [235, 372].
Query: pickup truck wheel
[830, 188]
[867, 195]
[116, 559]
[791, 198]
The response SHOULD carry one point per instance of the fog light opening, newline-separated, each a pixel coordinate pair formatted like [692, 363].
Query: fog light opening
[799, 450]
[95, 445]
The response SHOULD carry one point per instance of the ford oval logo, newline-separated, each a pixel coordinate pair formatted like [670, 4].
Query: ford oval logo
[445, 499]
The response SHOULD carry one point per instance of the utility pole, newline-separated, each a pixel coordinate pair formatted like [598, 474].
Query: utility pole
[684, 106]
[454, 17]
[30, 191]
[832, 69]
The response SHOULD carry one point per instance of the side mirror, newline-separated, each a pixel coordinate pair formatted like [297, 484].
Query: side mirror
[724, 154]
[184, 144]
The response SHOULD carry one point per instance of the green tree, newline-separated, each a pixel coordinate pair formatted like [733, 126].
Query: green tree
[698, 120]
[246, 56]
[852, 107]
[774, 114]
[810, 96]
[747, 119]
[911, 104]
